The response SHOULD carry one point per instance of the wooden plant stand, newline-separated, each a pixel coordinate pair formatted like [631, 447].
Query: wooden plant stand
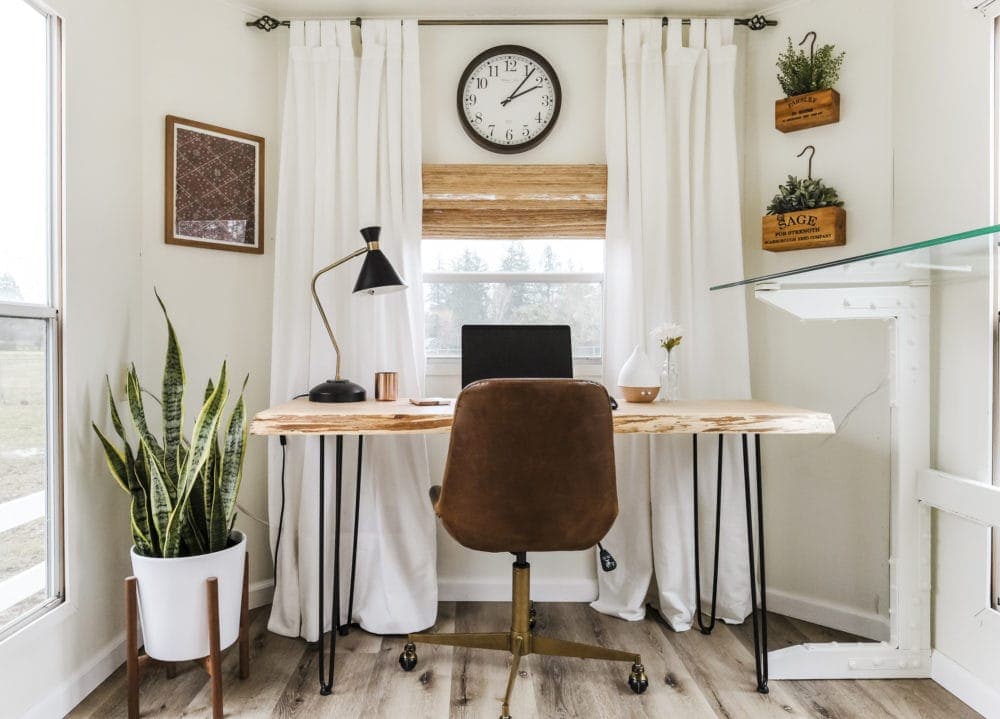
[136, 662]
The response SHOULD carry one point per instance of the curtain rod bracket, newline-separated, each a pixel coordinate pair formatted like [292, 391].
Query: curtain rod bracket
[268, 23]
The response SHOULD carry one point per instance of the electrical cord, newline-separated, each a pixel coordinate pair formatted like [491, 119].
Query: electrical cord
[281, 512]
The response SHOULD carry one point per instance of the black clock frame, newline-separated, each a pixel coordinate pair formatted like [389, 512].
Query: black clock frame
[496, 146]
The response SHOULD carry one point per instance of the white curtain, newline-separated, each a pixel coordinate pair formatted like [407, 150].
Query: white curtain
[350, 158]
[673, 230]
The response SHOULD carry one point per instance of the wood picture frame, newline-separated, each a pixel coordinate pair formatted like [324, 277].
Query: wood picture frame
[214, 187]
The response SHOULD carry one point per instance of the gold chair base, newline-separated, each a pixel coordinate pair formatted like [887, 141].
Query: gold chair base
[521, 641]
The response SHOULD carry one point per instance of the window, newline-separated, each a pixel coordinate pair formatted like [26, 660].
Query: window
[513, 282]
[514, 244]
[30, 486]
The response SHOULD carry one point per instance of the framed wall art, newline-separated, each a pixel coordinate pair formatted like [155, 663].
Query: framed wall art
[214, 187]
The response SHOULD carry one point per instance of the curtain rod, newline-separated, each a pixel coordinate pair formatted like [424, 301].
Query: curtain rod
[268, 23]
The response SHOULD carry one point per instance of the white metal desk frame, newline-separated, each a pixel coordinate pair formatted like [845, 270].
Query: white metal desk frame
[907, 309]
[714, 417]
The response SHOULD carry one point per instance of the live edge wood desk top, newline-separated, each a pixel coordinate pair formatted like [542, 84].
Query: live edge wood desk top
[301, 416]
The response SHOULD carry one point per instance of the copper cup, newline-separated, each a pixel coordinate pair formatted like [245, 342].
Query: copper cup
[386, 386]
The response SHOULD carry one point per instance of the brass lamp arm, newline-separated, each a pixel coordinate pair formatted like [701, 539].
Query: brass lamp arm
[319, 305]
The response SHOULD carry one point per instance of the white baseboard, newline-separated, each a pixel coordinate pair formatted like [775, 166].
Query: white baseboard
[828, 614]
[261, 593]
[485, 590]
[61, 700]
[965, 685]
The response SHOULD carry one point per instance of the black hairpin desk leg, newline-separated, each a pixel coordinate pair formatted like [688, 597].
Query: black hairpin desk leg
[344, 629]
[326, 672]
[759, 628]
[706, 629]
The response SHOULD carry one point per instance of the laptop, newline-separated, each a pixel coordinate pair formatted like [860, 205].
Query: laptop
[515, 351]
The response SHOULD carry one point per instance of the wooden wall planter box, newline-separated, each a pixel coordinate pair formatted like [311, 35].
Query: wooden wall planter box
[810, 110]
[823, 227]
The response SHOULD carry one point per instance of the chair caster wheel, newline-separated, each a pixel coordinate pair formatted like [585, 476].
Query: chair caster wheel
[505, 716]
[531, 622]
[408, 659]
[637, 680]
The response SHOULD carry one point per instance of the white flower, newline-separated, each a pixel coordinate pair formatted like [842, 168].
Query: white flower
[667, 331]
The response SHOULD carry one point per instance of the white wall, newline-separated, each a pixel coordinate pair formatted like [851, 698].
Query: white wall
[218, 71]
[942, 108]
[64, 650]
[827, 499]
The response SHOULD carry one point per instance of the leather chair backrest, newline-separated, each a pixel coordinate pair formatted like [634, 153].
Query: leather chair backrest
[531, 466]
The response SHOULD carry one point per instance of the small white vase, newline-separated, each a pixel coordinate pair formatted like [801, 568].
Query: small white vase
[670, 378]
[173, 600]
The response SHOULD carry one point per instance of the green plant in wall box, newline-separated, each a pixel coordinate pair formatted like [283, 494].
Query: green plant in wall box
[802, 194]
[800, 72]
[183, 490]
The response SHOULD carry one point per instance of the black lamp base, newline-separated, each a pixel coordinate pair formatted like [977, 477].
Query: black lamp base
[337, 390]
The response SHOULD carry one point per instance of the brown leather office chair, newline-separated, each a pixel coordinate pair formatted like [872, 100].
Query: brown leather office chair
[531, 468]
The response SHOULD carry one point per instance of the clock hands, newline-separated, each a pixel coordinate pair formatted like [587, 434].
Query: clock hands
[536, 87]
[514, 94]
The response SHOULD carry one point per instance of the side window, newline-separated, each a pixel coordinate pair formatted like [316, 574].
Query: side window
[31, 572]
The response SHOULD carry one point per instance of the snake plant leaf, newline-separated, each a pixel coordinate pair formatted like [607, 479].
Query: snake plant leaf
[133, 390]
[203, 435]
[218, 527]
[173, 399]
[159, 498]
[116, 420]
[115, 459]
[140, 535]
[204, 490]
[193, 537]
[142, 531]
[233, 456]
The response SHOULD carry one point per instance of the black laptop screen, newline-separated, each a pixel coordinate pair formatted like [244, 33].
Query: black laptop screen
[498, 351]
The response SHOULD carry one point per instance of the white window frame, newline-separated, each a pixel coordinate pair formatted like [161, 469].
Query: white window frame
[50, 312]
[994, 569]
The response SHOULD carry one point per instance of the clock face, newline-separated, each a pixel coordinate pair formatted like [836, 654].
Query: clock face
[508, 99]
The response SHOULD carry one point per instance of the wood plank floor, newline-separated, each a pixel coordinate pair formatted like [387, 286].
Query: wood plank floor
[690, 676]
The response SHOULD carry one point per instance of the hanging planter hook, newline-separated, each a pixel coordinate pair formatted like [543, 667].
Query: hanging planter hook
[812, 45]
[811, 155]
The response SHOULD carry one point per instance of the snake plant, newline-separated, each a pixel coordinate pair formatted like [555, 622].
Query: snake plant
[183, 491]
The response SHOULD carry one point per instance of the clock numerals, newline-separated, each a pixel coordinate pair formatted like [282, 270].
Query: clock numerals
[508, 99]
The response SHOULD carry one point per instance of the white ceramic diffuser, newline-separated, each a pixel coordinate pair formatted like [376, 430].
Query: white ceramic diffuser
[638, 379]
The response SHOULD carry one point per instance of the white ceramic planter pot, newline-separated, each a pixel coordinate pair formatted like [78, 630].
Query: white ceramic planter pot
[173, 601]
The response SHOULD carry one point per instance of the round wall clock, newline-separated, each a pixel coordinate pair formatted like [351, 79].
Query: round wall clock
[508, 99]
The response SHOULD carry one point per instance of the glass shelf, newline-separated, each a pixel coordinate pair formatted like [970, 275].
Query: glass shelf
[961, 256]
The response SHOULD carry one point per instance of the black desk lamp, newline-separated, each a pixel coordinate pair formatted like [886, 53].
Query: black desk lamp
[376, 277]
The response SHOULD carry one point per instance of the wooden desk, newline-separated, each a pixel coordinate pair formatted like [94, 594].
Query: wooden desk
[301, 416]
[742, 417]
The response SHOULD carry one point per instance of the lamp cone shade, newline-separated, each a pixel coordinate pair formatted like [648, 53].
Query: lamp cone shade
[377, 275]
